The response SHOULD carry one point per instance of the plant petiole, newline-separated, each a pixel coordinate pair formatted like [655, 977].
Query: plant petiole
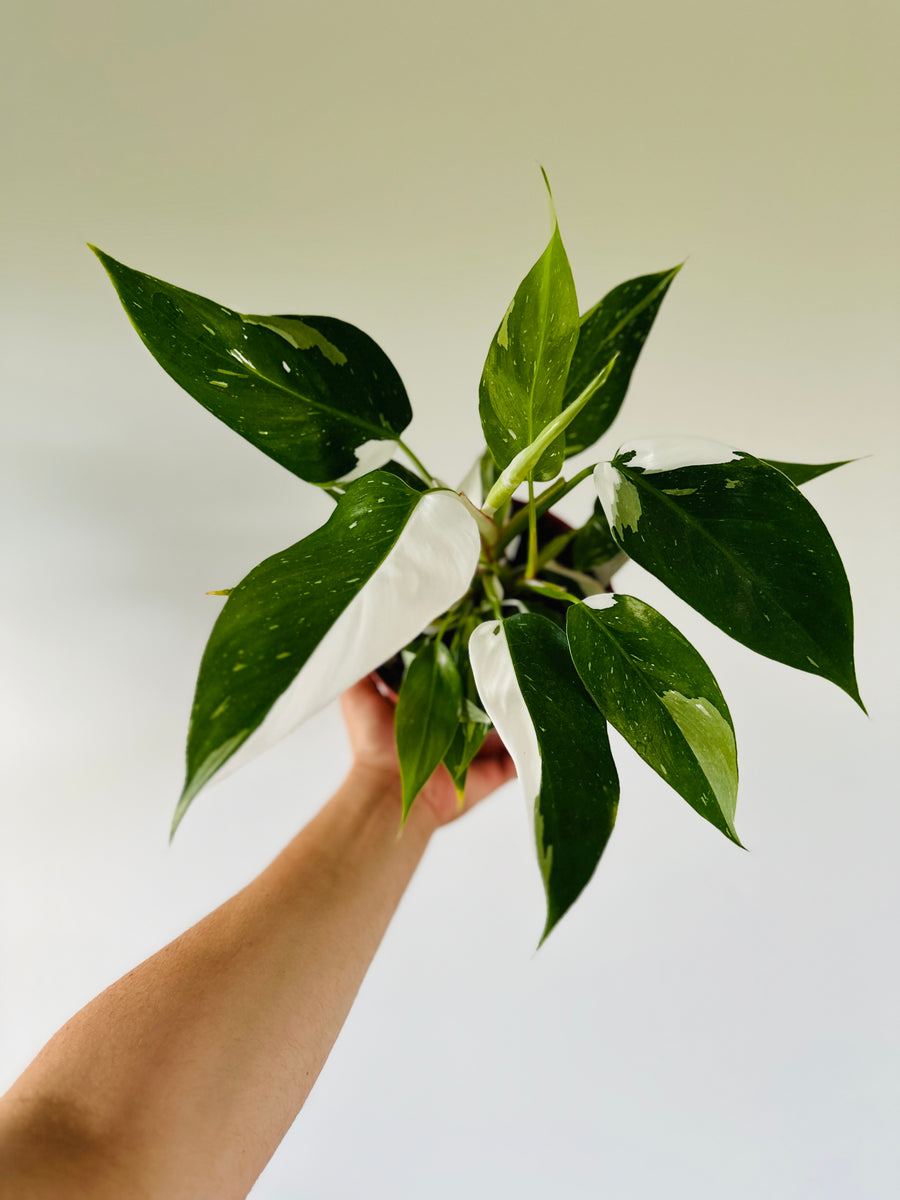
[550, 590]
[548, 497]
[531, 564]
[417, 463]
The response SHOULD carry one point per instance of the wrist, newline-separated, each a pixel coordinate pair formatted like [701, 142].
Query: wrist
[378, 788]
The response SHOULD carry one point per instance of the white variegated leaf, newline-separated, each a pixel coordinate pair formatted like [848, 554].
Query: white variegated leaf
[558, 740]
[498, 687]
[307, 623]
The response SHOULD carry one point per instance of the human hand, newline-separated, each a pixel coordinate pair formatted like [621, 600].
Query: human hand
[369, 718]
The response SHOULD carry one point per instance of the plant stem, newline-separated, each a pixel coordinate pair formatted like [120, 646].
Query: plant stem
[417, 462]
[489, 583]
[543, 502]
[540, 588]
[531, 561]
[521, 467]
[552, 549]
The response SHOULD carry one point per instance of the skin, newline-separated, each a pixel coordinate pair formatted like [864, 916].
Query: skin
[180, 1080]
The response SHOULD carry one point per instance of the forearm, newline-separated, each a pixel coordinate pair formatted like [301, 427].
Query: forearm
[187, 1072]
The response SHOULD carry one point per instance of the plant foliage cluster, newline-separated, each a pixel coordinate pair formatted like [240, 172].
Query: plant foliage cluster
[490, 611]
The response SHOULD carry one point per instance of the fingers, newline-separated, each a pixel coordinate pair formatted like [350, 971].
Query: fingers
[488, 774]
[363, 701]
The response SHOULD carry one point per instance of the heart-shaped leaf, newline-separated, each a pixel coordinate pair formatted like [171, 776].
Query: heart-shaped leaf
[524, 376]
[733, 537]
[308, 622]
[558, 740]
[427, 717]
[313, 393]
[619, 324]
[652, 685]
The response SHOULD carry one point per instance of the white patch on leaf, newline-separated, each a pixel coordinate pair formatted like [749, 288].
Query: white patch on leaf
[603, 600]
[619, 498]
[428, 569]
[671, 453]
[369, 457]
[498, 687]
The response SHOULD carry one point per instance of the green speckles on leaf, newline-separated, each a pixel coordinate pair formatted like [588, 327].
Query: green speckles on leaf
[306, 390]
[627, 506]
[711, 739]
[575, 808]
[299, 335]
[544, 849]
[749, 552]
[524, 376]
[618, 325]
[642, 673]
[679, 491]
[503, 331]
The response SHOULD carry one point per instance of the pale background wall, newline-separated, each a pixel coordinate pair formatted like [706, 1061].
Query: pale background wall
[705, 1023]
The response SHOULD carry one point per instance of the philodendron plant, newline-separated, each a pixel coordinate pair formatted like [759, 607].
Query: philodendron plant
[485, 611]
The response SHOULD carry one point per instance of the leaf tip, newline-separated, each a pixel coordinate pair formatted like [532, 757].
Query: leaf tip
[550, 925]
[180, 809]
[104, 258]
[553, 215]
[849, 685]
[406, 807]
[731, 834]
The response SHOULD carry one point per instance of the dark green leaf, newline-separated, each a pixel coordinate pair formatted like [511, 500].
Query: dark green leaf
[524, 376]
[734, 538]
[559, 742]
[474, 723]
[311, 620]
[799, 473]
[427, 717]
[620, 322]
[308, 391]
[594, 543]
[409, 477]
[467, 741]
[652, 685]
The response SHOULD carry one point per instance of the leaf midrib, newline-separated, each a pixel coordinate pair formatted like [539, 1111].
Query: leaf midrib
[761, 585]
[545, 304]
[645, 678]
[194, 339]
[632, 313]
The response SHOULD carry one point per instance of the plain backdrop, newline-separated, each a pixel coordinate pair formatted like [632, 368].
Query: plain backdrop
[705, 1023]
